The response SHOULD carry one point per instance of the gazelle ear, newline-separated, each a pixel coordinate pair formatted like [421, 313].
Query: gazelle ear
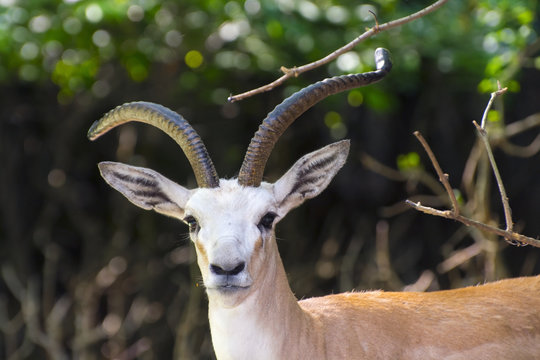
[146, 188]
[309, 176]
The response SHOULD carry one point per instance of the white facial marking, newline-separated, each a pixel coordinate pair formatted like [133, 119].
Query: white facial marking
[227, 236]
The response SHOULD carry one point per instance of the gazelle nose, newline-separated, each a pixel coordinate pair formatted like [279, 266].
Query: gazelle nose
[218, 270]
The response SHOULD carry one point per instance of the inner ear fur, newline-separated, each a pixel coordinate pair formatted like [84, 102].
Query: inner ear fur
[146, 188]
[310, 175]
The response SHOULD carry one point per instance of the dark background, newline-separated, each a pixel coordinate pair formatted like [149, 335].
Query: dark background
[86, 275]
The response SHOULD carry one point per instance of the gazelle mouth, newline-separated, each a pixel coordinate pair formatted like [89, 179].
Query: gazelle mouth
[229, 288]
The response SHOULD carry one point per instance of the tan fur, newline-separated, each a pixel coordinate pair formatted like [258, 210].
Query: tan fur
[499, 320]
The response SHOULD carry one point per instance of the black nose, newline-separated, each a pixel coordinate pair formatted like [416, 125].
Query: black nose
[218, 270]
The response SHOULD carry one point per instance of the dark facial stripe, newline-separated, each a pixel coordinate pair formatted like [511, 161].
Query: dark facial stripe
[317, 165]
[305, 176]
[302, 182]
[152, 195]
[136, 180]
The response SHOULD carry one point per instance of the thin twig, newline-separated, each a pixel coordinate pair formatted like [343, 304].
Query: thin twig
[484, 136]
[295, 71]
[459, 257]
[443, 178]
[518, 127]
[518, 239]
[508, 234]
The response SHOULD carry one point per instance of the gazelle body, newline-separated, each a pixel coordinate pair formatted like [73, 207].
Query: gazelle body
[252, 311]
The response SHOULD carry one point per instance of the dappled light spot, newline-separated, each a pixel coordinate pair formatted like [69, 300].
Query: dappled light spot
[111, 324]
[173, 38]
[180, 256]
[490, 43]
[72, 25]
[409, 161]
[410, 59]
[230, 110]
[29, 51]
[163, 17]
[308, 10]
[337, 14]
[118, 265]
[305, 43]
[325, 269]
[56, 178]
[40, 23]
[230, 31]
[135, 13]
[189, 80]
[348, 61]
[334, 122]
[491, 18]
[365, 12]
[332, 119]
[93, 13]
[20, 34]
[252, 7]
[274, 29]
[445, 61]
[196, 19]
[29, 72]
[193, 59]
[232, 59]
[219, 96]
[355, 98]
[266, 61]
[137, 70]
[101, 88]
[52, 48]
[101, 38]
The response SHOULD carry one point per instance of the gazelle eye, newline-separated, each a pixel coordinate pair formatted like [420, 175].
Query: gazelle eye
[267, 220]
[192, 223]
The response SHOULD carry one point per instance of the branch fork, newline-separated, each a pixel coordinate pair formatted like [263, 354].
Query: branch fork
[508, 234]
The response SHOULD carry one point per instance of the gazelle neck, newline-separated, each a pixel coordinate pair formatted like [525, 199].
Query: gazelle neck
[261, 323]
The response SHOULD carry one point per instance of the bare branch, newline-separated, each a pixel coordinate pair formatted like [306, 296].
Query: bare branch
[519, 239]
[295, 71]
[459, 257]
[522, 151]
[518, 127]
[443, 178]
[483, 135]
[509, 235]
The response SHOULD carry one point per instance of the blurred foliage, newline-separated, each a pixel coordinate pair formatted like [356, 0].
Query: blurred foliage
[86, 275]
[71, 41]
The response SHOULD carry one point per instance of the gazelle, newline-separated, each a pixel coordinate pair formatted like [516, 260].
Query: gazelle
[252, 311]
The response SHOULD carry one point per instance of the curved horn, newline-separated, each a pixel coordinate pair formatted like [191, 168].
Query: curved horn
[277, 121]
[171, 123]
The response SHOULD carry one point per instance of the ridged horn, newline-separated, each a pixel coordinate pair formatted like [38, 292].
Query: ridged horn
[173, 125]
[283, 115]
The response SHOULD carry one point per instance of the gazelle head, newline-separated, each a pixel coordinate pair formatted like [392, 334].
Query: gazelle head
[231, 222]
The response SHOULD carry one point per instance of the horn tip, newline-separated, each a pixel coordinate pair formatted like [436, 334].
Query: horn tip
[92, 132]
[382, 59]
